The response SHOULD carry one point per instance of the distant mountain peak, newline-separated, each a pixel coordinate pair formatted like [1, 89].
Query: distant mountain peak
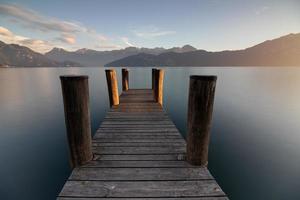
[187, 46]
[131, 49]
[57, 50]
[82, 50]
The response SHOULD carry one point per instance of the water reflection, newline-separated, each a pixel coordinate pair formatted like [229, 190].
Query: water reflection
[254, 151]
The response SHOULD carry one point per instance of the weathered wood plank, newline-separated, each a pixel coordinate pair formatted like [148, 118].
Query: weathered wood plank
[137, 119]
[134, 164]
[126, 140]
[152, 114]
[111, 122]
[137, 130]
[110, 136]
[137, 144]
[139, 150]
[135, 115]
[128, 134]
[138, 126]
[141, 189]
[174, 198]
[140, 174]
[136, 157]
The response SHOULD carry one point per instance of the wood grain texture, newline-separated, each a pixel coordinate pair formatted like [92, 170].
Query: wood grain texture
[200, 109]
[174, 198]
[75, 92]
[142, 157]
[158, 86]
[137, 144]
[112, 86]
[141, 188]
[125, 79]
[139, 154]
[140, 174]
[134, 164]
[153, 77]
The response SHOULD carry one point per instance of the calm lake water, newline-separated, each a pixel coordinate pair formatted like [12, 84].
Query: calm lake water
[255, 141]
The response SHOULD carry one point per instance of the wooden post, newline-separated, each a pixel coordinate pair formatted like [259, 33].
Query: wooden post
[200, 108]
[158, 85]
[125, 81]
[75, 90]
[153, 77]
[112, 86]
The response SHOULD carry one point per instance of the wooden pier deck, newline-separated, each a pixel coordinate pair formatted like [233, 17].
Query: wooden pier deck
[139, 154]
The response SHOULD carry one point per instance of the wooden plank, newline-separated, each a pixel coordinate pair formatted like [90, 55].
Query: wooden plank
[111, 122]
[126, 140]
[174, 198]
[141, 189]
[136, 110]
[134, 164]
[136, 157]
[140, 105]
[137, 91]
[152, 114]
[139, 150]
[135, 130]
[138, 126]
[139, 174]
[136, 119]
[116, 134]
[137, 144]
[110, 136]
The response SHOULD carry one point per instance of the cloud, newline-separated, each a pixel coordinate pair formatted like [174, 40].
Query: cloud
[9, 37]
[126, 41]
[60, 33]
[5, 32]
[33, 20]
[37, 45]
[151, 32]
[67, 38]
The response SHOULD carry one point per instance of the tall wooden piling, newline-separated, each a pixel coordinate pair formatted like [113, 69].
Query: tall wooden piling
[158, 85]
[112, 85]
[200, 108]
[125, 79]
[75, 92]
[153, 77]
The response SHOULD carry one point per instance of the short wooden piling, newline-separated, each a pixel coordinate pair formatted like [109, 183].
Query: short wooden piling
[153, 77]
[125, 81]
[112, 85]
[75, 92]
[158, 85]
[200, 108]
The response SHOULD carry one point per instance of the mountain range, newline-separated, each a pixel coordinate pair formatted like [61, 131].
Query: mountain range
[20, 56]
[88, 57]
[283, 51]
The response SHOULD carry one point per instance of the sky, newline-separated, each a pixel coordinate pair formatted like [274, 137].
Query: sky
[213, 25]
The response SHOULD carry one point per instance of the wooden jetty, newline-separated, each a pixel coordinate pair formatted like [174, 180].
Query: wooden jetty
[138, 153]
